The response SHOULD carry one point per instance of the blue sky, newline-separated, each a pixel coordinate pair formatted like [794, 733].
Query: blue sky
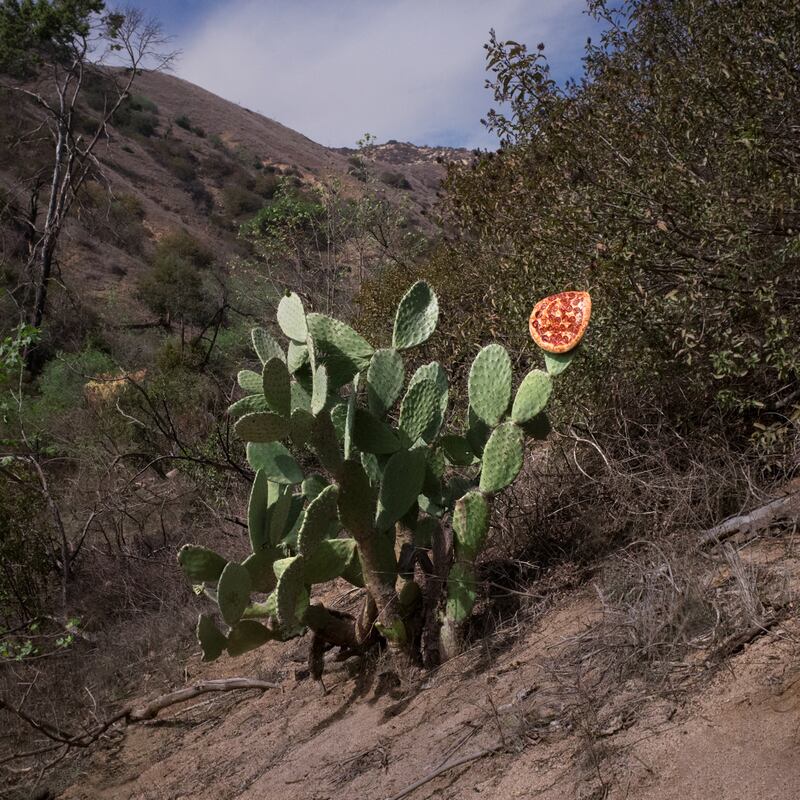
[411, 70]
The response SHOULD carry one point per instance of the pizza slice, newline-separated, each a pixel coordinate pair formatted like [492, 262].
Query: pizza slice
[558, 322]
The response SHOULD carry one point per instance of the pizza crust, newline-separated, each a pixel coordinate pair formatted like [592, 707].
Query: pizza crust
[558, 322]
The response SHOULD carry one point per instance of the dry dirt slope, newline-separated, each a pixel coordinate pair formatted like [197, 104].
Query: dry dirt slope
[732, 733]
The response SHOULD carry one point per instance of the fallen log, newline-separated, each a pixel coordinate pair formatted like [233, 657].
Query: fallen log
[781, 509]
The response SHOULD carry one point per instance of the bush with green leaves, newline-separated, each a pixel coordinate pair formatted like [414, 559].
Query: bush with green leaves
[394, 502]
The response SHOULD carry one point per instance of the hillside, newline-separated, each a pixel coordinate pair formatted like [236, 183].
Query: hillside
[183, 158]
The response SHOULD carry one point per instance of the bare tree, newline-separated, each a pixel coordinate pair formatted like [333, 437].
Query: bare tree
[109, 47]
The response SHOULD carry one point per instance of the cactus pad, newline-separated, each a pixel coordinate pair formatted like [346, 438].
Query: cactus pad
[416, 317]
[321, 511]
[249, 381]
[462, 592]
[251, 404]
[385, 378]
[275, 385]
[329, 560]
[401, 485]
[247, 635]
[344, 351]
[313, 485]
[276, 462]
[490, 383]
[262, 427]
[211, 638]
[532, 396]
[370, 435]
[200, 563]
[419, 409]
[259, 567]
[357, 500]
[265, 346]
[470, 525]
[457, 450]
[257, 511]
[325, 443]
[296, 356]
[292, 318]
[233, 592]
[502, 457]
[319, 394]
[434, 372]
[291, 590]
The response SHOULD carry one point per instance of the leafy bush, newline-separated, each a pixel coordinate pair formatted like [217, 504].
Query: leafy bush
[137, 115]
[386, 482]
[396, 180]
[664, 180]
[239, 201]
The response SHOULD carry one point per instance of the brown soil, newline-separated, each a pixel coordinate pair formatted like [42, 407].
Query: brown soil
[732, 734]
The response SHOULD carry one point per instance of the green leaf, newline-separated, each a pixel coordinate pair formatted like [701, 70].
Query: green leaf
[532, 396]
[233, 592]
[502, 457]
[385, 378]
[275, 385]
[276, 462]
[417, 316]
[490, 383]
[292, 318]
[265, 346]
[261, 427]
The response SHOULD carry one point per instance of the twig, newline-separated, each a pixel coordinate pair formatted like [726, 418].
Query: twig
[440, 770]
[131, 715]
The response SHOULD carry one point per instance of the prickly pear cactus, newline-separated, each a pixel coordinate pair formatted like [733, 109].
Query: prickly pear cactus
[387, 481]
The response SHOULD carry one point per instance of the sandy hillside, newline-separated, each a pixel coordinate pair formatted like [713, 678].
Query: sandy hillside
[728, 726]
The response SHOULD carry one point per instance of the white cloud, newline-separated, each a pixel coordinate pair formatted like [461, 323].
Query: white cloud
[401, 69]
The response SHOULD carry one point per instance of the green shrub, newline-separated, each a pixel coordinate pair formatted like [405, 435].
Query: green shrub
[396, 180]
[239, 202]
[664, 182]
